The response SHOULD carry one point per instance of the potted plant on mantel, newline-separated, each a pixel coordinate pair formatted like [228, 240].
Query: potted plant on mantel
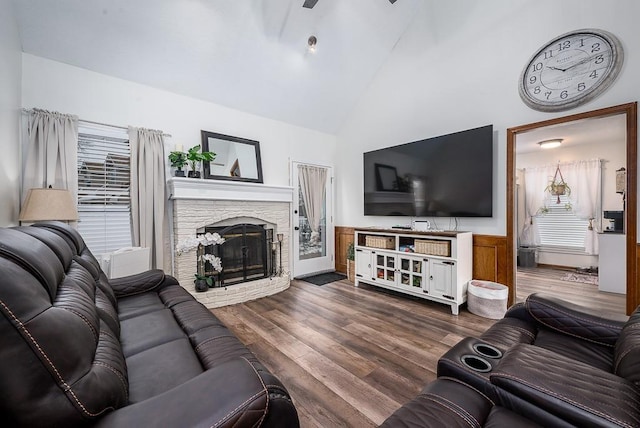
[195, 158]
[351, 256]
[178, 160]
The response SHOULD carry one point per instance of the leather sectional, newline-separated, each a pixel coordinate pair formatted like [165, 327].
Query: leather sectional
[546, 363]
[77, 349]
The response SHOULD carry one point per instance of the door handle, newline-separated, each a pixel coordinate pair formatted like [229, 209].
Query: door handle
[296, 228]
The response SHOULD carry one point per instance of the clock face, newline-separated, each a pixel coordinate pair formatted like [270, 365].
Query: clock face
[571, 70]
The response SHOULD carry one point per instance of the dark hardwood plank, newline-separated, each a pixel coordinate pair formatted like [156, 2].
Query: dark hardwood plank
[349, 356]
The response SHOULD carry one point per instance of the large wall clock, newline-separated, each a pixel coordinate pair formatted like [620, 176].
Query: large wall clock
[571, 70]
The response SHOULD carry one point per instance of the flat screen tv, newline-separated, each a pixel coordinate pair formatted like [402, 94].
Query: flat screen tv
[446, 176]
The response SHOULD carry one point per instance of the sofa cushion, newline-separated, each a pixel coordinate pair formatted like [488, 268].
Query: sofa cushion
[149, 330]
[158, 369]
[594, 354]
[139, 304]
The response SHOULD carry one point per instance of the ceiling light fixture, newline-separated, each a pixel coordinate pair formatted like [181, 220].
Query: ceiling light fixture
[550, 144]
[312, 43]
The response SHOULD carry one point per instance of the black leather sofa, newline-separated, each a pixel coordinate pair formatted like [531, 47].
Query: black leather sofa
[77, 349]
[547, 362]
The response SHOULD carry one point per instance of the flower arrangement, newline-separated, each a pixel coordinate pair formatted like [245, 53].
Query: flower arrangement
[198, 242]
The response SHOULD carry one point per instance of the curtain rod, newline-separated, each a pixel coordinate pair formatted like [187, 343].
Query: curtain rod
[29, 110]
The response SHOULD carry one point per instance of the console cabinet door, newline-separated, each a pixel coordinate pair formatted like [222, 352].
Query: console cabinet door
[413, 271]
[442, 279]
[384, 265]
[363, 264]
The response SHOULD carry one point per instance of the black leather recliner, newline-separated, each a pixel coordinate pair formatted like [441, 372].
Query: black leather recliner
[551, 362]
[77, 349]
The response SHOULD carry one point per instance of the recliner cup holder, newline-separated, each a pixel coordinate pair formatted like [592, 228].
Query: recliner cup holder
[487, 350]
[476, 363]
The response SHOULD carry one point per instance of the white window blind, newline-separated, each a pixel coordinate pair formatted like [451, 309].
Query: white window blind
[559, 228]
[104, 204]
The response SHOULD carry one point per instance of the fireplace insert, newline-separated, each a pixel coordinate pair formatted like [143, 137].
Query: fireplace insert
[246, 254]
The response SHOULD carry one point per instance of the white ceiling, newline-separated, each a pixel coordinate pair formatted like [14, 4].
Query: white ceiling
[609, 129]
[245, 54]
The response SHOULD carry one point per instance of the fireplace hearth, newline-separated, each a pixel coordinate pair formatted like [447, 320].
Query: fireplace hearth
[246, 253]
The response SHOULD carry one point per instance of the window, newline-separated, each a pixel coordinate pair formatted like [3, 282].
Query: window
[104, 203]
[559, 228]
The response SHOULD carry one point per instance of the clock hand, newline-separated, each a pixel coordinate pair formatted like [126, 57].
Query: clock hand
[556, 68]
[578, 63]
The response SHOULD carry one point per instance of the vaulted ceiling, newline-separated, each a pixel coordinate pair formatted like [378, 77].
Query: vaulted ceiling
[251, 55]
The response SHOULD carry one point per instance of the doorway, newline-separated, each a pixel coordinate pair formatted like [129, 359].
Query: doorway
[312, 219]
[629, 112]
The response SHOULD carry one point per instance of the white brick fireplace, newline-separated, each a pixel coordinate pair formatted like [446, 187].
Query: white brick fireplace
[200, 203]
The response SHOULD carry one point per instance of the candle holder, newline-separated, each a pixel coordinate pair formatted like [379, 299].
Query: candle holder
[280, 239]
[274, 248]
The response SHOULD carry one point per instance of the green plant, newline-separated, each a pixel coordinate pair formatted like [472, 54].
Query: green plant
[178, 159]
[351, 254]
[558, 188]
[194, 156]
[205, 278]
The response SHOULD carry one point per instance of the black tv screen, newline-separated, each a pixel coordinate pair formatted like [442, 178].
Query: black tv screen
[446, 176]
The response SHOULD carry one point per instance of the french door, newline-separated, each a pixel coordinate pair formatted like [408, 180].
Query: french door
[312, 219]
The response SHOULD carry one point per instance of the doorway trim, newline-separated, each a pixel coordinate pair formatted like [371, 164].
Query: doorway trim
[630, 109]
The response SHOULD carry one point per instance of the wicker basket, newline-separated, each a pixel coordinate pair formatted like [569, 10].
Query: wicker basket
[385, 242]
[433, 248]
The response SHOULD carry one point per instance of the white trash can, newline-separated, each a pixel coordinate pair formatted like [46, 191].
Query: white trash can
[487, 299]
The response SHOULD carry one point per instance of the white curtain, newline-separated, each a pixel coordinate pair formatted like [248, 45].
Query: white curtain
[585, 179]
[312, 184]
[534, 183]
[51, 152]
[148, 220]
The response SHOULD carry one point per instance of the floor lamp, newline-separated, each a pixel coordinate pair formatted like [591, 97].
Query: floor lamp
[48, 204]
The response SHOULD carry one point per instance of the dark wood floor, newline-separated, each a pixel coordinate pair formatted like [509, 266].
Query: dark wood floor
[349, 356]
[547, 280]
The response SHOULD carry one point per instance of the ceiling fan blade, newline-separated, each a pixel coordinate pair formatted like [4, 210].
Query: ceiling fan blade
[310, 3]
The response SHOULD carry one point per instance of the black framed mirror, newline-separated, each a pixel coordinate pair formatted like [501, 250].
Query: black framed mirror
[237, 159]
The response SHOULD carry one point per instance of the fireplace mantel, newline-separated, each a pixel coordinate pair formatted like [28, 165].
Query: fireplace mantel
[193, 188]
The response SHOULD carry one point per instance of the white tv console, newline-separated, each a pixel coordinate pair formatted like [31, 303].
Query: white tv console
[433, 265]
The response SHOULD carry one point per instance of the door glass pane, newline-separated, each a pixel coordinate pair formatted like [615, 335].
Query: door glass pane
[312, 244]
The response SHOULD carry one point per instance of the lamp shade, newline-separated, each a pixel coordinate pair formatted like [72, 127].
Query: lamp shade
[48, 204]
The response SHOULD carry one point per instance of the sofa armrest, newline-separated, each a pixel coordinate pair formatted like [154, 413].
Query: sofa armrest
[573, 391]
[229, 395]
[574, 320]
[141, 282]
[443, 402]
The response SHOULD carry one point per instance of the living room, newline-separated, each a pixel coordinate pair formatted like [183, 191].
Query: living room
[455, 66]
